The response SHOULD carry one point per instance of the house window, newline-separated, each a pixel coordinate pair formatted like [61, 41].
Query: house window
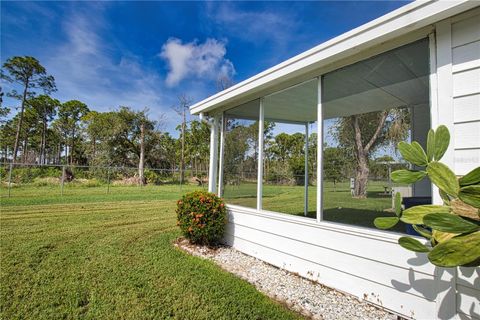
[240, 156]
[368, 107]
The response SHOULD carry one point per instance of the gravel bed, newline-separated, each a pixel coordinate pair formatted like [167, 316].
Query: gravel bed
[311, 299]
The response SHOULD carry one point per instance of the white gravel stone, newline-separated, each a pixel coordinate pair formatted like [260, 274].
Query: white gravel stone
[311, 299]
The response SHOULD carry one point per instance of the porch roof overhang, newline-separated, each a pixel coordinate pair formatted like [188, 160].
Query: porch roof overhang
[407, 19]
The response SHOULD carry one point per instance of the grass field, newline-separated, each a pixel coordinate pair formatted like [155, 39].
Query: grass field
[89, 255]
[338, 204]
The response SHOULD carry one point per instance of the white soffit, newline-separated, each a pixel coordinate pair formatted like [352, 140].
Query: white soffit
[397, 78]
[404, 20]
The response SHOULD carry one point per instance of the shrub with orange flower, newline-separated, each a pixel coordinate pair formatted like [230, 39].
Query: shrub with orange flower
[201, 217]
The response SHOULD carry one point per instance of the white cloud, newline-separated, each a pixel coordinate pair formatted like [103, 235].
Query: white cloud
[90, 68]
[199, 60]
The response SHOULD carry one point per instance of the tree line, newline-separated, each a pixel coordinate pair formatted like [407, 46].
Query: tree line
[45, 130]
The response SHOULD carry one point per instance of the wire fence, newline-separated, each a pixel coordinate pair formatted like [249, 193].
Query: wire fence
[19, 175]
[102, 179]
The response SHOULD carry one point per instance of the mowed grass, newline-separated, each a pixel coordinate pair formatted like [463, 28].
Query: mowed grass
[338, 204]
[93, 255]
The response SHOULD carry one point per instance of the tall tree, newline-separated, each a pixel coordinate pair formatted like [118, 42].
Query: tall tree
[363, 134]
[197, 145]
[69, 115]
[181, 109]
[131, 132]
[30, 74]
[46, 108]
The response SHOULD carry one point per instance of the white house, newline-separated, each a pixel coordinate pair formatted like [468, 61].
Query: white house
[426, 56]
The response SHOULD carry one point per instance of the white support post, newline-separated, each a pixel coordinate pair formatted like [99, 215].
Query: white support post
[212, 172]
[220, 161]
[260, 156]
[319, 149]
[306, 171]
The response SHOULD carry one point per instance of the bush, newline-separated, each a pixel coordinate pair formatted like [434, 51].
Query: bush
[202, 217]
[152, 177]
[46, 182]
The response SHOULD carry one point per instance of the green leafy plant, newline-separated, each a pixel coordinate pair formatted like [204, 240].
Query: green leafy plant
[453, 229]
[202, 217]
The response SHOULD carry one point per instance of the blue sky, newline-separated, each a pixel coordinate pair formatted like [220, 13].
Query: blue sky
[144, 54]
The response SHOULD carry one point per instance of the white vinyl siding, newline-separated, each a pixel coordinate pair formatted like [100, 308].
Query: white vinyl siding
[466, 93]
[370, 267]
[465, 42]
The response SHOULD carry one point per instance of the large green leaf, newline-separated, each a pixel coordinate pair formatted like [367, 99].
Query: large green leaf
[440, 236]
[407, 176]
[385, 222]
[422, 231]
[398, 204]
[413, 153]
[457, 251]
[448, 222]
[444, 196]
[412, 244]
[420, 154]
[470, 195]
[443, 178]
[414, 215]
[430, 145]
[473, 177]
[442, 140]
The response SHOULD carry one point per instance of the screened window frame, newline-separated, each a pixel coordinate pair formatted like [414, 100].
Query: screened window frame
[318, 221]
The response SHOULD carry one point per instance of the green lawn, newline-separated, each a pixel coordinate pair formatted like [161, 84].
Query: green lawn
[338, 204]
[94, 255]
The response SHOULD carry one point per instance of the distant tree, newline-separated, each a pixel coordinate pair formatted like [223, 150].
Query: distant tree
[69, 115]
[1, 96]
[162, 151]
[130, 133]
[379, 166]
[103, 147]
[181, 109]
[29, 73]
[197, 144]
[334, 164]
[29, 134]
[4, 112]
[363, 134]
[46, 109]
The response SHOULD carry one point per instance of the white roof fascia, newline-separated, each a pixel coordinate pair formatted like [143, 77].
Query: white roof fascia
[408, 18]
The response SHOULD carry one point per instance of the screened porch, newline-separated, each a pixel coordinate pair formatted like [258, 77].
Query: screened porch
[296, 151]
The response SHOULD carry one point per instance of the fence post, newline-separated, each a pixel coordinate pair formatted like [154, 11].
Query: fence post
[63, 179]
[108, 180]
[10, 179]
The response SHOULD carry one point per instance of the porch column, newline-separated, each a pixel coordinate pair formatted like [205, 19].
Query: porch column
[220, 160]
[319, 149]
[260, 156]
[306, 171]
[212, 171]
